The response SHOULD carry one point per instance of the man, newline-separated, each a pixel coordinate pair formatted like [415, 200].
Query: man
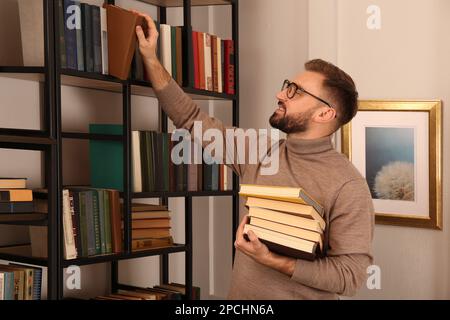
[310, 109]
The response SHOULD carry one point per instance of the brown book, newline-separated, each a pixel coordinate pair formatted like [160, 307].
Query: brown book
[158, 233]
[116, 221]
[179, 53]
[283, 244]
[297, 209]
[201, 60]
[150, 215]
[151, 223]
[22, 217]
[140, 207]
[121, 39]
[124, 297]
[141, 295]
[215, 63]
[144, 244]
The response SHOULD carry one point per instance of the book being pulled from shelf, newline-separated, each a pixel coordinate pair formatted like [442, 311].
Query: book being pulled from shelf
[286, 220]
[19, 282]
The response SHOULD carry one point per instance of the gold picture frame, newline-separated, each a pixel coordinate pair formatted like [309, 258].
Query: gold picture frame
[383, 112]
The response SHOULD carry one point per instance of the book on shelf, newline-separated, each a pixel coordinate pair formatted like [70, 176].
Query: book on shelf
[31, 14]
[13, 183]
[16, 195]
[18, 282]
[286, 226]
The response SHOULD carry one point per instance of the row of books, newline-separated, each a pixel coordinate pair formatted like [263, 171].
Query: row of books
[172, 291]
[91, 222]
[14, 197]
[155, 170]
[288, 220]
[152, 166]
[151, 227]
[83, 36]
[19, 282]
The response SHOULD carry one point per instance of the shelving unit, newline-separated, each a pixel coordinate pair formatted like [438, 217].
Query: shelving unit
[50, 139]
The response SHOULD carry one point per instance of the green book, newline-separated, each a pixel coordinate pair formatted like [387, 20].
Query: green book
[101, 214]
[83, 224]
[144, 161]
[150, 162]
[107, 213]
[106, 158]
[96, 216]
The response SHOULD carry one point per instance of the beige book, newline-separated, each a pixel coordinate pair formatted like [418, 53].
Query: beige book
[283, 243]
[136, 168]
[289, 194]
[288, 230]
[298, 209]
[166, 47]
[286, 218]
[32, 32]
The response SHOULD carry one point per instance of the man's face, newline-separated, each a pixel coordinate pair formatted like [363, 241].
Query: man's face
[296, 115]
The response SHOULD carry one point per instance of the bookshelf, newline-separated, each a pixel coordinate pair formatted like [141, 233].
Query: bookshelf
[49, 140]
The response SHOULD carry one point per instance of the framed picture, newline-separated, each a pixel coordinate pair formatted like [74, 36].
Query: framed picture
[397, 147]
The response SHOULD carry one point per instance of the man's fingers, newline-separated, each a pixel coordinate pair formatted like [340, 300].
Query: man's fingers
[140, 34]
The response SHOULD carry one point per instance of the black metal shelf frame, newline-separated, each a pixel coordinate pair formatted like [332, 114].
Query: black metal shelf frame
[50, 142]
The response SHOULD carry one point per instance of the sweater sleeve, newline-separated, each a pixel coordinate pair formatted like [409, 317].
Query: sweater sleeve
[234, 144]
[351, 225]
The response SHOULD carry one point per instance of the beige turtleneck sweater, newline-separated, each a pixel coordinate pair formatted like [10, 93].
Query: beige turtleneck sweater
[332, 180]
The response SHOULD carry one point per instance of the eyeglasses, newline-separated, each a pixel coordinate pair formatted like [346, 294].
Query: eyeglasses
[293, 89]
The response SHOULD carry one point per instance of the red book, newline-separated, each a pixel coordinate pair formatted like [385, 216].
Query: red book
[201, 60]
[229, 67]
[195, 56]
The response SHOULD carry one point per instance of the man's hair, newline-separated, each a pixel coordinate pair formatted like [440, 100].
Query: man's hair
[340, 87]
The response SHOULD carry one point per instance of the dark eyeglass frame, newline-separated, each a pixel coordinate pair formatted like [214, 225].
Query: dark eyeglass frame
[298, 90]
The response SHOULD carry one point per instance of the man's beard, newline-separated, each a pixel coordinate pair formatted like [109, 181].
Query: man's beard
[291, 123]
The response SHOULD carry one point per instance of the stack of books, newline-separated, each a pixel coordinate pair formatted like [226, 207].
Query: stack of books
[16, 202]
[288, 220]
[150, 227]
[19, 282]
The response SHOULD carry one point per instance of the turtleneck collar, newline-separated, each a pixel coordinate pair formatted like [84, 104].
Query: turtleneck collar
[301, 146]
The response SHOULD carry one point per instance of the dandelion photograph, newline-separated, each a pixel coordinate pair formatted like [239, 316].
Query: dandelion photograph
[390, 163]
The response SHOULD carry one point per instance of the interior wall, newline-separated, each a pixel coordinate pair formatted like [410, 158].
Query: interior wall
[406, 59]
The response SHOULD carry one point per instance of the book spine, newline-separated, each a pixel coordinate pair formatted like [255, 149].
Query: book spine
[9, 286]
[219, 65]
[104, 40]
[37, 284]
[179, 54]
[97, 38]
[166, 50]
[150, 162]
[107, 222]
[83, 225]
[91, 251]
[17, 207]
[144, 161]
[2, 285]
[101, 214]
[88, 50]
[173, 44]
[195, 59]
[62, 41]
[70, 34]
[136, 159]
[69, 240]
[97, 226]
[215, 65]
[201, 61]
[229, 67]
[114, 205]
[73, 216]
[79, 34]
[76, 221]
[208, 63]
